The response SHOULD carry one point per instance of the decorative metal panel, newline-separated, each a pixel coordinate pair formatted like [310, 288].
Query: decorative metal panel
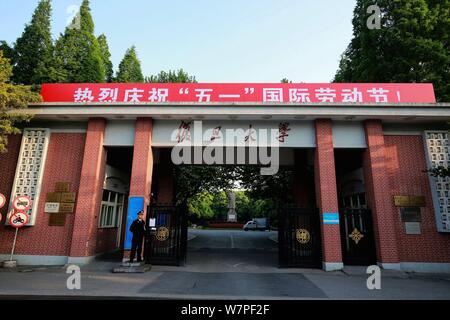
[437, 144]
[30, 167]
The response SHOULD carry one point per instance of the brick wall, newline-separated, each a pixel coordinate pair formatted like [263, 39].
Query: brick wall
[405, 158]
[326, 190]
[8, 162]
[84, 236]
[106, 239]
[379, 199]
[64, 160]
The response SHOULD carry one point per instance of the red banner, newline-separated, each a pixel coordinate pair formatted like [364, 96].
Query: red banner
[391, 93]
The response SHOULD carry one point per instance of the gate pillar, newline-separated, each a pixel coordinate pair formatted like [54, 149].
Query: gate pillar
[379, 198]
[326, 195]
[141, 176]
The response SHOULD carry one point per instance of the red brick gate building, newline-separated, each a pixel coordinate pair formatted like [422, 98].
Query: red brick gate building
[102, 151]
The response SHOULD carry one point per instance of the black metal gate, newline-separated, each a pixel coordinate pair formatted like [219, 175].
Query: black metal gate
[299, 238]
[358, 244]
[166, 241]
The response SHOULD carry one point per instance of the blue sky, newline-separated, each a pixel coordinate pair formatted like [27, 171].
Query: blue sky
[215, 40]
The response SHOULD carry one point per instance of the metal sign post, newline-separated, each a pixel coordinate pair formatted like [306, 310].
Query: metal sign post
[17, 219]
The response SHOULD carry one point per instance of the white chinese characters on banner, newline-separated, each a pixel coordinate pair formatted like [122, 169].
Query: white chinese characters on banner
[293, 95]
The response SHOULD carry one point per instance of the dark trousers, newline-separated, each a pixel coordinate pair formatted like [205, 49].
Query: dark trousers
[136, 244]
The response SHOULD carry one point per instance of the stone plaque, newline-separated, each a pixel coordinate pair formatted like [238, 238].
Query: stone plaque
[409, 201]
[53, 197]
[417, 201]
[412, 228]
[68, 197]
[51, 207]
[57, 219]
[401, 201]
[62, 187]
[66, 207]
[410, 214]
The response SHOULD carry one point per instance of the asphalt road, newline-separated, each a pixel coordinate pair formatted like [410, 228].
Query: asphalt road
[222, 264]
[232, 239]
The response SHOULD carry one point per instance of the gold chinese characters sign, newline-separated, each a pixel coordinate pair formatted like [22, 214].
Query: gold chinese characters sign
[409, 201]
[162, 234]
[302, 236]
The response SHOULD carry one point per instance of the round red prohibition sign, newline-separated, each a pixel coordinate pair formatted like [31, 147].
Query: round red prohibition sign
[2, 201]
[22, 203]
[18, 220]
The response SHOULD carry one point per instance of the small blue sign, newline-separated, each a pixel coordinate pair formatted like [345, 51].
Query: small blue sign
[135, 204]
[330, 218]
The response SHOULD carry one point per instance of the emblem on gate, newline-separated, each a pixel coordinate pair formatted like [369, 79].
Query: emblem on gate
[162, 234]
[302, 236]
[356, 235]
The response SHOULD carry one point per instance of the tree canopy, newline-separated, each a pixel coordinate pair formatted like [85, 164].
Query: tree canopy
[130, 68]
[412, 45]
[172, 76]
[78, 50]
[12, 97]
[106, 58]
[33, 51]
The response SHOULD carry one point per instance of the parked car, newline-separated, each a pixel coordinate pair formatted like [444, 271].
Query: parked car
[257, 224]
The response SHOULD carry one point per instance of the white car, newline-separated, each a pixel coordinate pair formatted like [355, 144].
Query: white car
[253, 225]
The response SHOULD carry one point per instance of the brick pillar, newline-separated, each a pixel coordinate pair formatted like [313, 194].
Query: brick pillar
[326, 196]
[89, 194]
[379, 198]
[141, 175]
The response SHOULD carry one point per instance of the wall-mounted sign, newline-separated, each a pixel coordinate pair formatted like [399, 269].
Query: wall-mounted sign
[51, 207]
[62, 187]
[66, 207]
[21, 203]
[391, 93]
[53, 197]
[331, 218]
[57, 219]
[68, 197]
[18, 219]
[412, 228]
[410, 214]
[409, 201]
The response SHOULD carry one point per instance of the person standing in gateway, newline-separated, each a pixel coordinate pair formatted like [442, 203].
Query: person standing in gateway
[138, 230]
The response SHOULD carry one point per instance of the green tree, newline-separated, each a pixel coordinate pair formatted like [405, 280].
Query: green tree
[285, 80]
[106, 57]
[78, 49]
[172, 76]
[412, 45]
[12, 97]
[8, 51]
[130, 68]
[200, 206]
[33, 50]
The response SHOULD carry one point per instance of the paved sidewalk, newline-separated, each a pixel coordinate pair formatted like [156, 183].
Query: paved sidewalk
[239, 282]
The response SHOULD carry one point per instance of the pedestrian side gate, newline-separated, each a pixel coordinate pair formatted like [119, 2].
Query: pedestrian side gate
[166, 241]
[299, 238]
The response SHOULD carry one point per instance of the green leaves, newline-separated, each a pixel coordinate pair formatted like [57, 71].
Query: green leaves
[172, 76]
[33, 51]
[130, 68]
[12, 97]
[411, 46]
